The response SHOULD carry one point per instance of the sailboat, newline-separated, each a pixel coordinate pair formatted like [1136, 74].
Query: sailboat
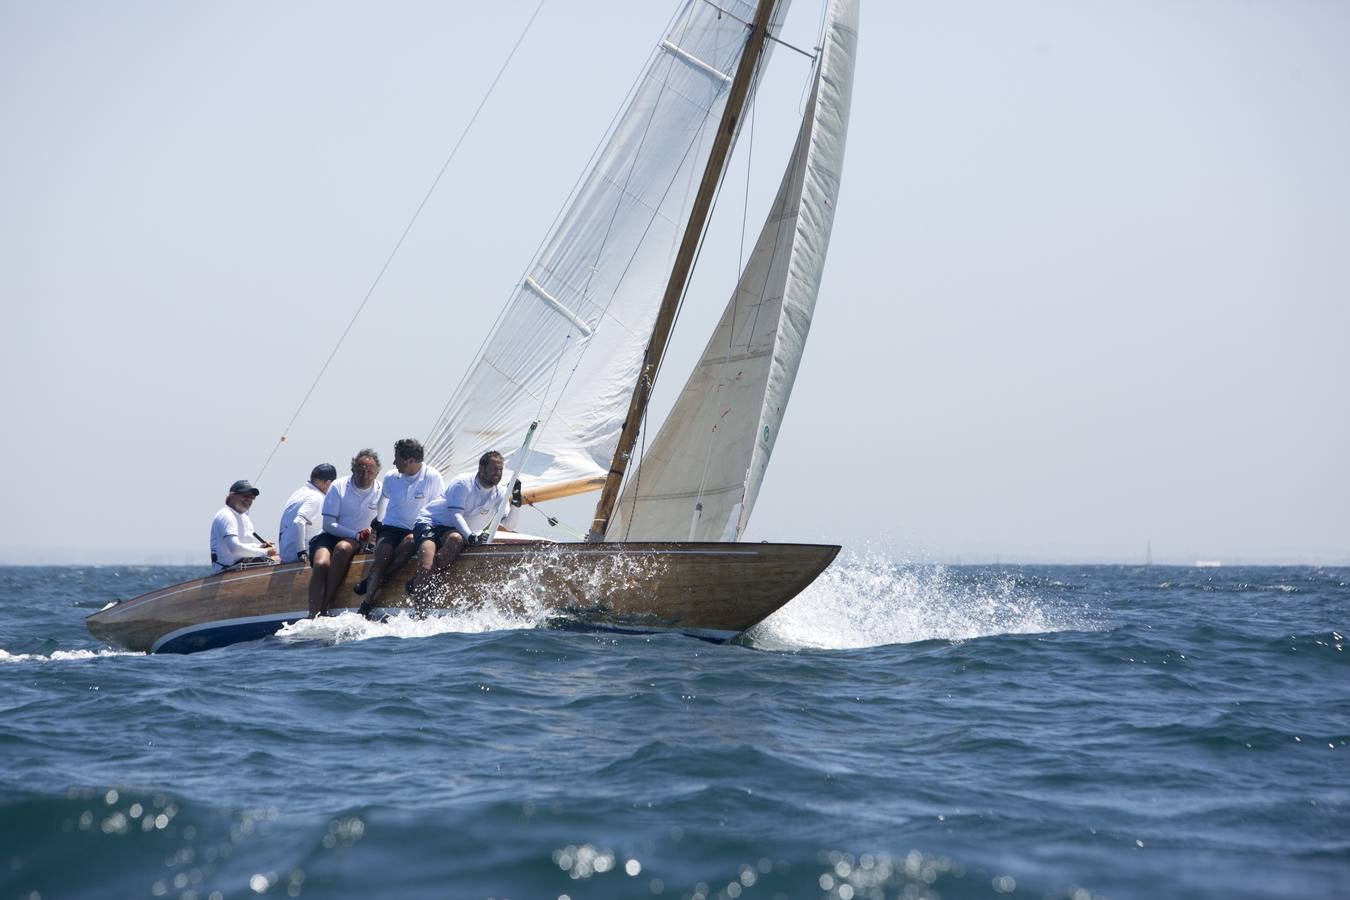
[572, 360]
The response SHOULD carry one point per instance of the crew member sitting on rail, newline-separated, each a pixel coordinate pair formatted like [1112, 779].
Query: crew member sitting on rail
[233, 540]
[407, 489]
[302, 518]
[460, 516]
[349, 508]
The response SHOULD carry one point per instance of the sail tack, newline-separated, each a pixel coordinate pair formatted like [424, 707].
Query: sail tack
[567, 349]
[700, 477]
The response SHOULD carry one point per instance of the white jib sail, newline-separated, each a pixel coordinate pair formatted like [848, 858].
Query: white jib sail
[568, 346]
[700, 477]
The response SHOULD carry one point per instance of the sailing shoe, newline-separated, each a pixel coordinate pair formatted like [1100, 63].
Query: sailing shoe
[359, 589]
[366, 609]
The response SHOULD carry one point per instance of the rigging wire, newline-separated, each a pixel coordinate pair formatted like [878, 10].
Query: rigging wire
[695, 140]
[402, 237]
[555, 522]
[636, 476]
[770, 36]
[586, 171]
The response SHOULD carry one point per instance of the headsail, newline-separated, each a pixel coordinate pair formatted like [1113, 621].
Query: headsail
[700, 477]
[568, 346]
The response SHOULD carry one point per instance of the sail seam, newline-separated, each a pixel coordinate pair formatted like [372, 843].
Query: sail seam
[689, 495]
[736, 357]
[696, 139]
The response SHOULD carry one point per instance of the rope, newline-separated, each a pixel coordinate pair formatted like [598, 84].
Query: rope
[554, 522]
[399, 243]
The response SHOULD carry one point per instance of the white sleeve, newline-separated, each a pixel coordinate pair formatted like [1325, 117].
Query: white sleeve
[460, 525]
[308, 517]
[242, 549]
[332, 508]
[330, 525]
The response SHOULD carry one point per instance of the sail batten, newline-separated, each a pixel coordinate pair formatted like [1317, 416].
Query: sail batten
[691, 59]
[558, 306]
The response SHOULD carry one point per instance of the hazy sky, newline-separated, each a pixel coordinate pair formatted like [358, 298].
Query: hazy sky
[1089, 284]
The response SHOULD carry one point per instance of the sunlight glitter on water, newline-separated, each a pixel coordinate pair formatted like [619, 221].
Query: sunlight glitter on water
[868, 600]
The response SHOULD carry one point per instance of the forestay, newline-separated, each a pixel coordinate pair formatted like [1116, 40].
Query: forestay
[567, 349]
[700, 477]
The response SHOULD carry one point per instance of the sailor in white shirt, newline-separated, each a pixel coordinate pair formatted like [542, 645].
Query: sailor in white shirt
[463, 516]
[349, 508]
[233, 539]
[301, 517]
[406, 489]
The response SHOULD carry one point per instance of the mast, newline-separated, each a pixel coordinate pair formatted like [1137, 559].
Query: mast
[684, 259]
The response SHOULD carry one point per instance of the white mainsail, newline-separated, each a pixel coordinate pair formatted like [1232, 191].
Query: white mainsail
[700, 477]
[567, 349]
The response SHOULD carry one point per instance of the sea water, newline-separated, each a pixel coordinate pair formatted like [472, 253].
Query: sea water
[898, 731]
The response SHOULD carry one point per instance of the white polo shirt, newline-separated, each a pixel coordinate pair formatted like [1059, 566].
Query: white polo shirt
[347, 509]
[467, 496]
[301, 519]
[407, 495]
[232, 538]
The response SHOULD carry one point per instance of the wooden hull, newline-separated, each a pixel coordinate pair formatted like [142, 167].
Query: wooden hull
[711, 590]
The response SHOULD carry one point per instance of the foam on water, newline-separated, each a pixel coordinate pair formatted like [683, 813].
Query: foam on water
[348, 626]
[61, 655]
[867, 600]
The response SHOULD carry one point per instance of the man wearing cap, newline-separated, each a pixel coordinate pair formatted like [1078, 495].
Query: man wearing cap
[233, 539]
[302, 518]
[406, 489]
[349, 508]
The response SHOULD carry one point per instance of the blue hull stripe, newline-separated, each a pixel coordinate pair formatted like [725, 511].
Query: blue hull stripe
[223, 632]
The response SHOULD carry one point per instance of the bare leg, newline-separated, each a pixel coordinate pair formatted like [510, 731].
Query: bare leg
[449, 552]
[426, 557]
[379, 567]
[337, 571]
[379, 572]
[432, 558]
[318, 581]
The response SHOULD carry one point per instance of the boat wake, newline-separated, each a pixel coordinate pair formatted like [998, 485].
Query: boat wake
[61, 655]
[349, 626]
[866, 599]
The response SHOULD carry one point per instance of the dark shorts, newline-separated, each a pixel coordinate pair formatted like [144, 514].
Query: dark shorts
[425, 531]
[392, 534]
[322, 540]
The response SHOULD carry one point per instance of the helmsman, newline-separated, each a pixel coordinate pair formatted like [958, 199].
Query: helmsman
[233, 540]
